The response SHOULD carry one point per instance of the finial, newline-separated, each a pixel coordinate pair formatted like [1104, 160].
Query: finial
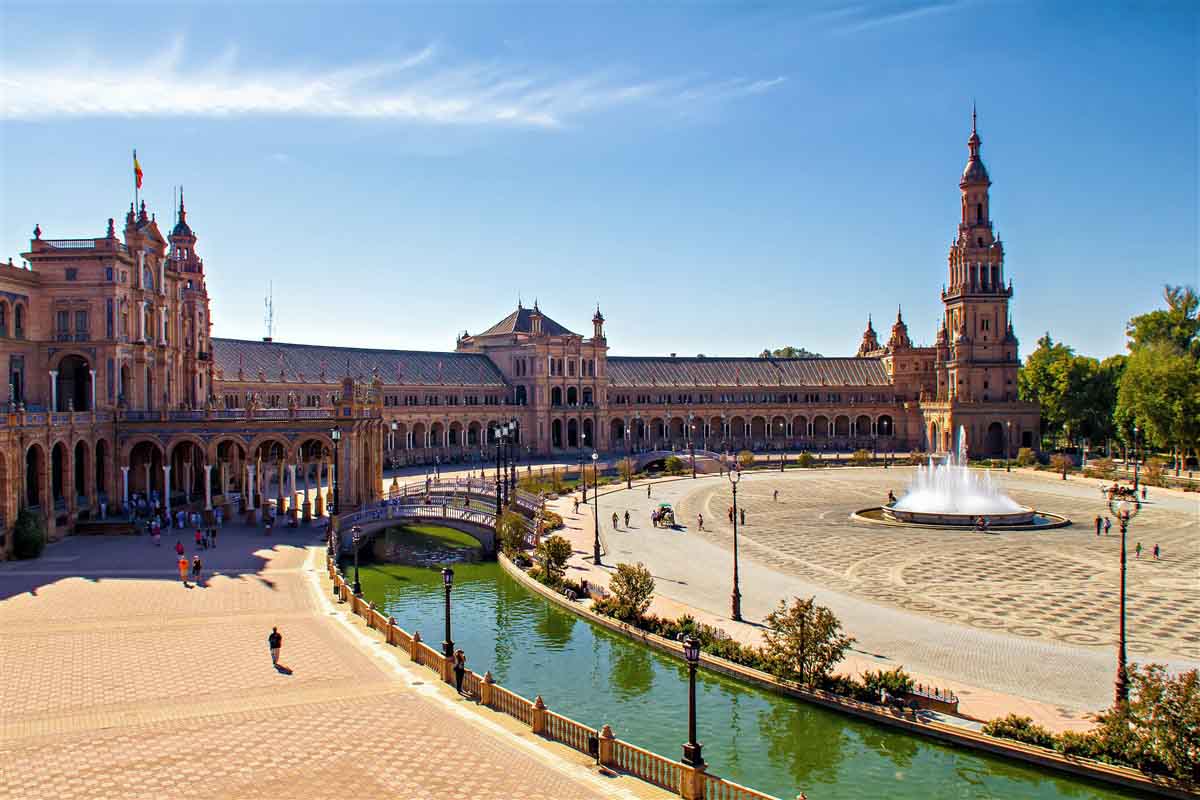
[182, 210]
[112, 233]
[899, 315]
[37, 231]
[535, 304]
[972, 115]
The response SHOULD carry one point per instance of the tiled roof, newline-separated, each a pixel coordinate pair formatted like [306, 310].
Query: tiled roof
[519, 322]
[415, 368]
[799, 372]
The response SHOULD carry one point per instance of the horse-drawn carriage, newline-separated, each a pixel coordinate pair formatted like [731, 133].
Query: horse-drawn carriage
[663, 516]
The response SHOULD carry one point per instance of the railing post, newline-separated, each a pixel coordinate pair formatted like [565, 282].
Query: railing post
[391, 630]
[485, 689]
[370, 615]
[606, 747]
[692, 782]
[415, 647]
[538, 723]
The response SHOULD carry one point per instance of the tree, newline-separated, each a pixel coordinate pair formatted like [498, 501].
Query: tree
[745, 459]
[510, 533]
[552, 555]
[632, 587]
[804, 641]
[1077, 394]
[788, 352]
[625, 468]
[1156, 731]
[1177, 325]
[673, 465]
[29, 535]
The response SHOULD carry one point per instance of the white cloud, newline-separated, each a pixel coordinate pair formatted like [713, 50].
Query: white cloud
[862, 18]
[419, 88]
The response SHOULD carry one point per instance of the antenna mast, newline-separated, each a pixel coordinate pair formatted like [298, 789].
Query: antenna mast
[269, 316]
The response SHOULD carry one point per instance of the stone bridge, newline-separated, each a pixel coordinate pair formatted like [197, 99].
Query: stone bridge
[706, 460]
[468, 517]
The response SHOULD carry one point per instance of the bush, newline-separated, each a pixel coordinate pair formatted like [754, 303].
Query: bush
[745, 459]
[551, 520]
[625, 469]
[29, 535]
[1102, 468]
[1154, 472]
[673, 465]
[861, 458]
[806, 460]
[1026, 457]
[804, 641]
[1081, 745]
[918, 459]
[551, 556]
[632, 586]
[510, 533]
[1061, 463]
[1021, 729]
[894, 681]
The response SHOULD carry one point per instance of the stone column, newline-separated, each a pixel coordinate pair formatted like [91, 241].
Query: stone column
[279, 503]
[306, 506]
[249, 487]
[162, 323]
[54, 390]
[319, 503]
[208, 487]
[167, 488]
[92, 372]
[292, 494]
[125, 488]
[692, 781]
[149, 501]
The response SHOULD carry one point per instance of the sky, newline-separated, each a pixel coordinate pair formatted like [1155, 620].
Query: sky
[718, 177]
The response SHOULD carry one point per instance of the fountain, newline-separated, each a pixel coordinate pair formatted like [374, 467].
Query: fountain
[948, 493]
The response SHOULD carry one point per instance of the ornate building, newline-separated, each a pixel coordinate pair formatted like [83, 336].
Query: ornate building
[116, 386]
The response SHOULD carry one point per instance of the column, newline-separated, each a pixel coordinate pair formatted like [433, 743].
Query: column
[306, 506]
[292, 493]
[249, 487]
[319, 503]
[54, 390]
[148, 498]
[167, 487]
[92, 372]
[208, 487]
[162, 323]
[125, 488]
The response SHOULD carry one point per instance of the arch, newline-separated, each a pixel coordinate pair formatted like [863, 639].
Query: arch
[556, 433]
[572, 396]
[456, 434]
[841, 426]
[820, 427]
[778, 427]
[145, 459]
[716, 429]
[3, 317]
[59, 479]
[80, 479]
[572, 432]
[400, 436]
[994, 440]
[677, 429]
[616, 432]
[522, 397]
[885, 426]
[474, 429]
[123, 391]
[934, 440]
[180, 439]
[758, 428]
[658, 429]
[587, 396]
[737, 429]
[18, 320]
[418, 435]
[799, 427]
[588, 439]
[187, 456]
[437, 435]
[101, 468]
[73, 384]
[269, 445]
[862, 426]
[556, 397]
[35, 474]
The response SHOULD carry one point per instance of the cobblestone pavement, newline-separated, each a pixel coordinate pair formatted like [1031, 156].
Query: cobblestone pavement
[1030, 614]
[126, 684]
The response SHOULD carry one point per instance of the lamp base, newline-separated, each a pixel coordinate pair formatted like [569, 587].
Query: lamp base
[691, 755]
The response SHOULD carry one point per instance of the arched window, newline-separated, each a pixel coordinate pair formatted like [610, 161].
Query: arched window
[19, 321]
[3, 318]
[979, 213]
[148, 278]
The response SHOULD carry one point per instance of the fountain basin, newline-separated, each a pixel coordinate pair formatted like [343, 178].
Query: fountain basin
[1028, 519]
[1023, 516]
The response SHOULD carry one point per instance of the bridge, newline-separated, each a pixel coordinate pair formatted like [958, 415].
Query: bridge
[706, 460]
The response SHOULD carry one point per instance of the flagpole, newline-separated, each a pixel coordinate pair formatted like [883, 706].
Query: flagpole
[135, 182]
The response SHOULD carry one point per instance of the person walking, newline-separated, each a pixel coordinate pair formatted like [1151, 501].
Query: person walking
[700, 522]
[615, 526]
[183, 570]
[1156, 551]
[1137, 551]
[742, 513]
[627, 518]
[197, 571]
[729, 513]
[1099, 524]
[1143, 494]
[178, 547]
[212, 536]
[275, 642]
[775, 495]
[460, 669]
[1107, 525]
[199, 540]
[647, 490]
[576, 506]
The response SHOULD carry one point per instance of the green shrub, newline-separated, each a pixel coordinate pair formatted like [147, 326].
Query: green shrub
[806, 460]
[745, 459]
[1021, 729]
[552, 520]
[510, 533]
[1026, 457]
[861, 458]
[551, 556]
[673, 465]
[894, 681]
[29, 535]
[1081, 745]
[1154, 471]
[633, 587]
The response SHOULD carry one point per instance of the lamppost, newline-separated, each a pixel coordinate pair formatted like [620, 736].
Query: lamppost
[448, 581]
[392, 441]
[356, 537]
[596, 507]
[1135, 459]
[336, 436]
[583, 477]
[735, 475]
[1008, 447]
[692, 447]
[691, 750]
[514, 428]
[499, 502]
[1124, 510]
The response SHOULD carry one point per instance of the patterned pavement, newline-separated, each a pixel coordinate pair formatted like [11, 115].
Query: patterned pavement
[125, 684]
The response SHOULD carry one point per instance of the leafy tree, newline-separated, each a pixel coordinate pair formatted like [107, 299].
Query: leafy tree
[806, 459]
[510, 533]
[745, 459]
[29, 535]
[1077, 394]
[1177, 325]
[625, 469]
[804, 641]
[673, 465]
[1021, 729]
[788, 352]
[861, 458]
[632, 587]
[895, 681]
[551, 555]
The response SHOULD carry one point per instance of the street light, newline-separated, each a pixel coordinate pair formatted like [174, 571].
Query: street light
[356, 537]
[514, 454]
[735, 475]
[496, 437]
[448, 581]
[336, 436]
[691, 750]
[692, 449]
[1135, 459]
[1008, 448]
[1124, 510]
[596, 507]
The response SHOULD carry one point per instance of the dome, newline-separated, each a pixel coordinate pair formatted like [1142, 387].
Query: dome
[181, 229]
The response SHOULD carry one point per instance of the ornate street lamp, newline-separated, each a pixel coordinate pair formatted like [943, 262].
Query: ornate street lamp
[691, 750]
[336, 436]
[448, 581]
[356, 537]
[596, 507]
[499, 501]
[735, 475]
[1124, 510]
[1136, 460]
[513, 427]
[692, 446]
[1008, 447]
[392, 440]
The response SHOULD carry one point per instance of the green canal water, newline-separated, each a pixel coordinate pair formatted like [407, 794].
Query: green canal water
[772, 743]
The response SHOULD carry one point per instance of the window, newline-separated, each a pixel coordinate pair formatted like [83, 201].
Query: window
[72, 274]
[979, 215]
[109, 319]
[112, 381]
[571, 368]
[81, 326]
[62, 326]
[108, 274]
[3, 319]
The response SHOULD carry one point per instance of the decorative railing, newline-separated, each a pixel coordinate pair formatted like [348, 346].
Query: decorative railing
[512, 704]
[569, 732]
[650, 767]
[720, 789]
[71, 244]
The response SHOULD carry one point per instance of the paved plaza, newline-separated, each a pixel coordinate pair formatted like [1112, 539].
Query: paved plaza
[1029, 614]
[124, 684]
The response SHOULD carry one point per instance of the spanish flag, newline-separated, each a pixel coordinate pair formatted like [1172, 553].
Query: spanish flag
[137, 170]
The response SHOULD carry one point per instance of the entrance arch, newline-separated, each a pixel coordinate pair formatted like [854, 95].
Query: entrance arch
[994, 441]
[35, 475]
[572, 433]
[79, 470]
[74, 384]
[60, 481]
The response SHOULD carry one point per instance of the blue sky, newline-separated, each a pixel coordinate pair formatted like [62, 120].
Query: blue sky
[719, 177]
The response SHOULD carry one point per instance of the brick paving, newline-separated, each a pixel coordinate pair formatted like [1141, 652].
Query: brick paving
[124, 684]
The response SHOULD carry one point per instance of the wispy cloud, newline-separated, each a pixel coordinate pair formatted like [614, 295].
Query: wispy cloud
[854, 19]
[422, 87]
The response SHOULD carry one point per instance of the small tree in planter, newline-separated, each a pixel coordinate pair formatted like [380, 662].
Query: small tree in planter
[673, 465]
[510, 533]
[551, 555]
[861, 458]
[806, 460]
[1061, 463]
[804, 641]
[625, 470]
[632, 587]
[29, 535]
[745, 459]
[1026, 457]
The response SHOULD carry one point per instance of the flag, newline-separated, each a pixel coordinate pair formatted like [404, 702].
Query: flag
[137, 170]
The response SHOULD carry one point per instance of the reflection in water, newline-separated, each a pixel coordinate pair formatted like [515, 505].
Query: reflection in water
[751, 736]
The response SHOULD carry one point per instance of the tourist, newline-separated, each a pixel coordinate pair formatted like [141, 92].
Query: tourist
[647, 490]
[199, 539]
[1107, 525]
[212, 536]
[700, 522]
[1137, 551]
[775, 495]
[1143, 494]
[576, 506]
[197, 567]
[729, 514]
[179, 547]
[183, 570]
[615, 526]
[627, 518]
[1156, 551]
[460, 669]
[743, 515]
[275, 642]
[1099, 524]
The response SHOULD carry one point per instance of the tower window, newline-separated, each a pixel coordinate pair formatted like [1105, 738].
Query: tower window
[979, 213]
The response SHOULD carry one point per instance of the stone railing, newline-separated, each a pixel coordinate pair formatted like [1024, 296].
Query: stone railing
[691, 783]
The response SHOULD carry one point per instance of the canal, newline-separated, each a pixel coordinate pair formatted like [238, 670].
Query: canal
[756, 738]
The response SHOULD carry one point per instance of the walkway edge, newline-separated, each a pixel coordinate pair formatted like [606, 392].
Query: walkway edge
[1094, 770]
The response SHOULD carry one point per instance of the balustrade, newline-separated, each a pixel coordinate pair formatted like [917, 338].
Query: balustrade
[648, 766]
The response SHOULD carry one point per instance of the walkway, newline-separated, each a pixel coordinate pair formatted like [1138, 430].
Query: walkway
[124, 684]
[893, 593]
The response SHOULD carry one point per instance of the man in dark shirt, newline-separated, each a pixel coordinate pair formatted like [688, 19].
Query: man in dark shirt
[275, 641]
